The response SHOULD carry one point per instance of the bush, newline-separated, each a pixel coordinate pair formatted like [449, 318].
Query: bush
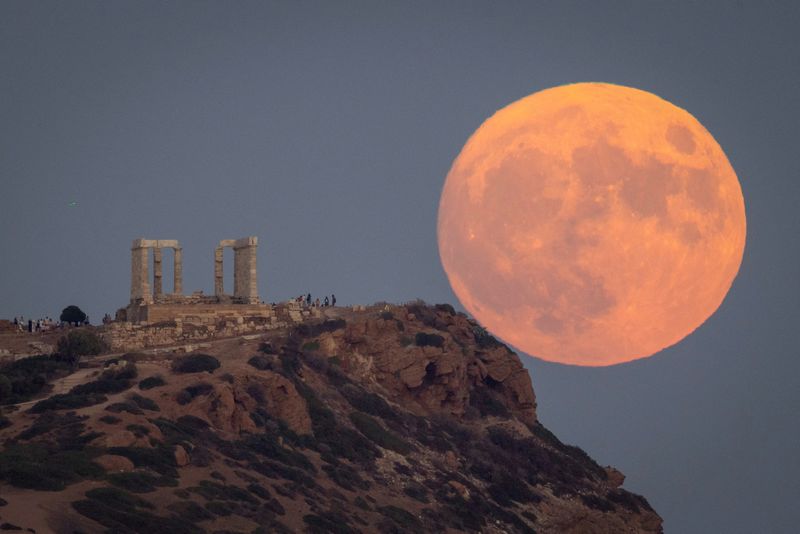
[346, 477]
[262, 363]
[140, 482]
[267, 348]
[29, 376]
[123, 513]
[188, 394]
[402, 517]
[72, 314]
[195, 363]
[42, 466]
[144, 403]
[151, 382]
[111, 381]
[416, 492]
[259, 490]
[426, 315]
[373, 430]
[110, 419]
[127, 406]
[484, 339]
[446, 308]
[190, 511]
[70, 401]
[484, 400]
[598, 503]
[79, 343]
[117, 498]
[424, 339]
[328, 523]
[628, 500]
[368, 402]
[314, 330]
[267, 445]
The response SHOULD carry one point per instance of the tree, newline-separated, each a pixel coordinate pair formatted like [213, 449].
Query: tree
[72, 314]
[79, 343]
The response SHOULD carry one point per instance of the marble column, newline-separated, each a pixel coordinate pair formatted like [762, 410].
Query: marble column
[218, 279]
[140, 286]
[158, 286]
[177, 271]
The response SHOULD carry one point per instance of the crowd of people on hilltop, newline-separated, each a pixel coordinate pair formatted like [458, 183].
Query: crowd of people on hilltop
[37, 325]
[43, 324]
[305, 300]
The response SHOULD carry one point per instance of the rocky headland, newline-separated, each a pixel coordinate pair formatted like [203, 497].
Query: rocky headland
[383, 419]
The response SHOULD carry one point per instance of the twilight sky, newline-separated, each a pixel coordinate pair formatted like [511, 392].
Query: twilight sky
[327, 129]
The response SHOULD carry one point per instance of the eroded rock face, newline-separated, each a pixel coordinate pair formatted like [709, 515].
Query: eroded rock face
[228, 406]
[436, 379]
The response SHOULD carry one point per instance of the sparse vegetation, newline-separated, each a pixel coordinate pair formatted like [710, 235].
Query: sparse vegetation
[143, 402]
[151, 382]
[401, 517]
[262, 363]
[310, 330]
[110, 419]
[114, 380]
[424, 339]
[267, 348]
[195, 363]
[373, 430]
[484, 400]
[78, 343]
[445, 308]
[46, 466]
[189, 393]
[328, 523]
[68, 401]
[120, 511]
[30, 376]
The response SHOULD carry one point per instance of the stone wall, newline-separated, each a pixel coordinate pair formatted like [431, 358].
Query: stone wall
[181, 324]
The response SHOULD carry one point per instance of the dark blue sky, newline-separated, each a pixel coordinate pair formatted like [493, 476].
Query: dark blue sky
[327, 129]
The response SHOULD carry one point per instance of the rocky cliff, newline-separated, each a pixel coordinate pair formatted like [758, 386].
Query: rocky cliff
[391, 419]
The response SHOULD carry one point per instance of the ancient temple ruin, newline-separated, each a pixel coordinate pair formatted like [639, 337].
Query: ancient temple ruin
[150, 304]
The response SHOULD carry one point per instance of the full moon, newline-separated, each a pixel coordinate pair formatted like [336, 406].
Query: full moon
[591, 224]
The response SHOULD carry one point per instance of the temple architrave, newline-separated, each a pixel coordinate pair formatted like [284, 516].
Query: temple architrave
[152, 305]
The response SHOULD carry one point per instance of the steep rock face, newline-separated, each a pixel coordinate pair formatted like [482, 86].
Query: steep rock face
[391, 419]
[461, 365]
[229, 406]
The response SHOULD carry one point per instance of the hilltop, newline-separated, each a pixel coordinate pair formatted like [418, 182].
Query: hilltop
[386, 419]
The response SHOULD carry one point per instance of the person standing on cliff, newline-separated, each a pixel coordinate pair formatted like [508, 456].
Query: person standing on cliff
[308, 300]
[333, 299]
[326, 302]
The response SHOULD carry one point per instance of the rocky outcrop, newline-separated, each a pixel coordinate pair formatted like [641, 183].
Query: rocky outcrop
[436, 379]
[385, 419]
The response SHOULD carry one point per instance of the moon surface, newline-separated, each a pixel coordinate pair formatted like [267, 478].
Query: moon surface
[591, 224]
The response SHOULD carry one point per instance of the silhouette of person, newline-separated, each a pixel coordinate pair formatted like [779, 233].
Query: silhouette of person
[333, 299]
[326, 301]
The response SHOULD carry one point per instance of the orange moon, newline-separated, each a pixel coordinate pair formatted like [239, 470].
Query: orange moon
[591, 224]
